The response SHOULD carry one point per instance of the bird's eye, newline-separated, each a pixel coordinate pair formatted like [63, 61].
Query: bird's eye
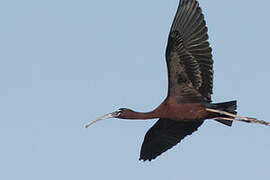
[117, 113]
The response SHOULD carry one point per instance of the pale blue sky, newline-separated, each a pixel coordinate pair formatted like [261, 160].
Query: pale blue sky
[65, 62]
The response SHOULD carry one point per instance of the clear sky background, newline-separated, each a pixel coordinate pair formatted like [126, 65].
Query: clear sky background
[65, 62]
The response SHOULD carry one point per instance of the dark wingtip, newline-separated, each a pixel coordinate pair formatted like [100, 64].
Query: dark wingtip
[146, 159]
[143, 159]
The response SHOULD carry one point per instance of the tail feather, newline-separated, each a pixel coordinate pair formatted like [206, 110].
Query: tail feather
[230, 107]
[225, 122]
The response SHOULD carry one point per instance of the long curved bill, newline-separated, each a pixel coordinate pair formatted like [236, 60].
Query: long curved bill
[106, 116]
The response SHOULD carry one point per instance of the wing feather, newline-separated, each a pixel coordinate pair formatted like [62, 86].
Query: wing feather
[164, 135]
[190, 27]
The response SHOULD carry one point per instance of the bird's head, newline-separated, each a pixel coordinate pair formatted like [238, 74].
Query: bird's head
[120, 113]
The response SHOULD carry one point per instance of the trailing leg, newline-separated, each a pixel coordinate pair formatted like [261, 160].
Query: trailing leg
[234, 117]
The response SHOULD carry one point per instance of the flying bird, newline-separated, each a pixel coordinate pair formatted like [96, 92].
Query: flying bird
[190, 75]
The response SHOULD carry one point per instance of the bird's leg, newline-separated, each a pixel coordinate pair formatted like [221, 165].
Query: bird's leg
[228, 119]
[237, 118]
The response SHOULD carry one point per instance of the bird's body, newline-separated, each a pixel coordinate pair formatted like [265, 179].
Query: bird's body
[183, 112]
[170, 109]
[190, 73]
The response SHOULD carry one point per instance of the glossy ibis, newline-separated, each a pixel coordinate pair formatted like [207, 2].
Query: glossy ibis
[188, 103]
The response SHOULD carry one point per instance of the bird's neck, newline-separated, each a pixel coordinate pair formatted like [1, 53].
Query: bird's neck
[139, 115]
[159, 112]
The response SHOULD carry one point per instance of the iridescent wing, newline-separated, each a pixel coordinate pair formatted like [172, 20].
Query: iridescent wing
[188, 55]
[164, 135]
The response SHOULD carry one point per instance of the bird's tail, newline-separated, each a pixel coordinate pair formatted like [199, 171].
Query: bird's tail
[230, 107]
[225, 113]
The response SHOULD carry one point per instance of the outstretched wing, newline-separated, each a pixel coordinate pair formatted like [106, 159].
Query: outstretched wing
[164, 135]
[188, 55]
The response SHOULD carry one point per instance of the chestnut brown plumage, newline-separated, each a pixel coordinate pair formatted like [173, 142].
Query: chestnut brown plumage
[190, 73]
